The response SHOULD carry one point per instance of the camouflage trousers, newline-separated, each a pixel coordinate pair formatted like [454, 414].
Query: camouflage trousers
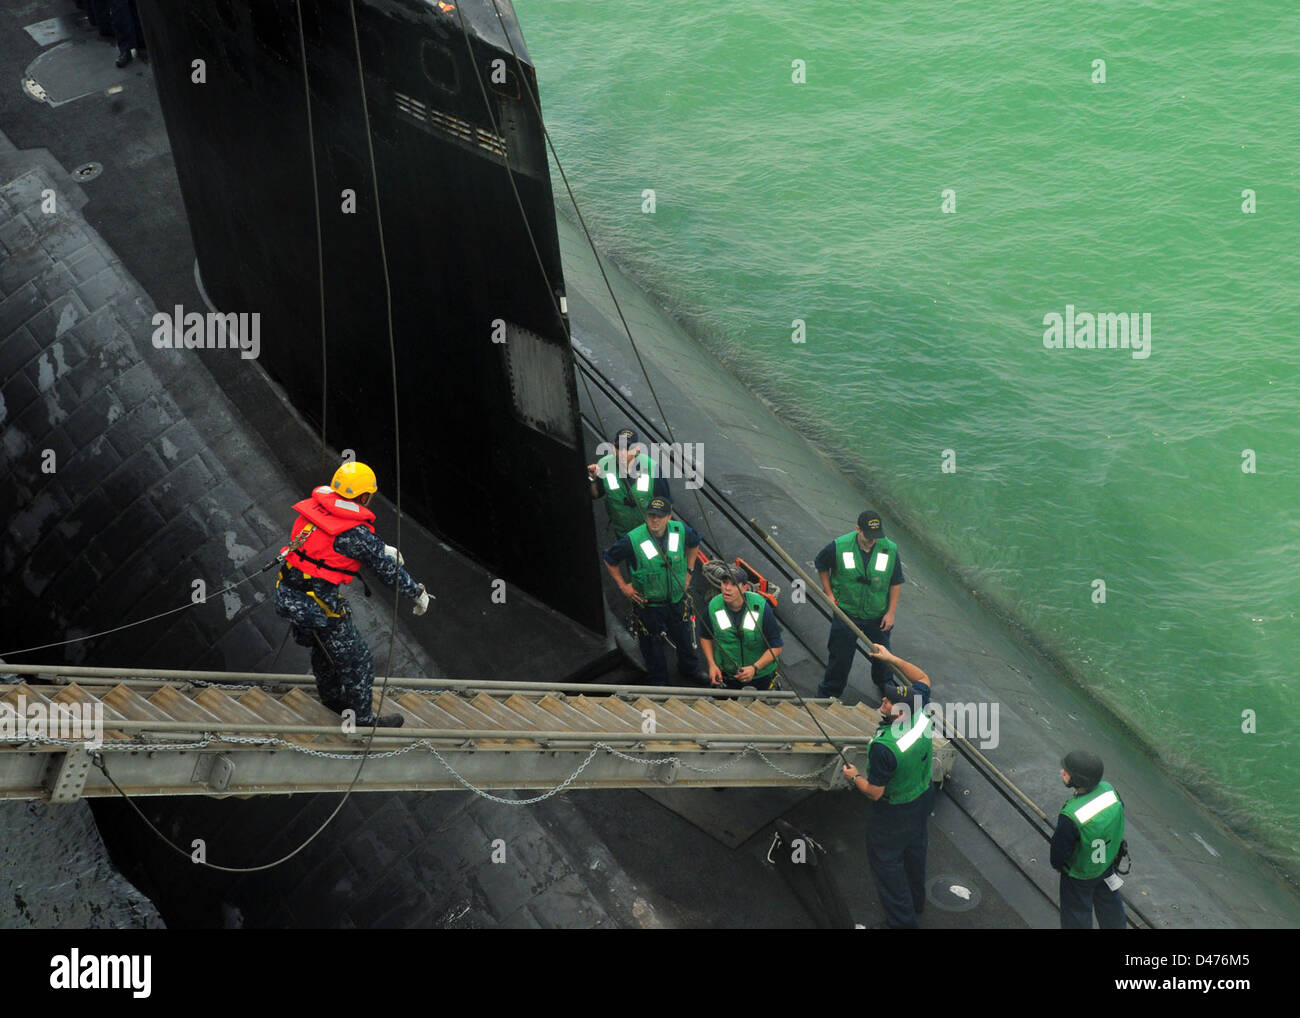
[340, 657]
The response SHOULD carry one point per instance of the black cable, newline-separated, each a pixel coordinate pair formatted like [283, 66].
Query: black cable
[392, 347]
[139, 622]
[776, 659]
[523, 77]
[320, 247]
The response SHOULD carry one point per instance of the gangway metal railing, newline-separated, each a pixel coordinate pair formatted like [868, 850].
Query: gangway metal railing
[169, 732]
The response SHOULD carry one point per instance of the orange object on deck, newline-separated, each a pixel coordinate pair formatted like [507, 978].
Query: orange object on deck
[759, 582]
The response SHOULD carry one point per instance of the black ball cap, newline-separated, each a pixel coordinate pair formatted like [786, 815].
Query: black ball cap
[658, 507]
[626, 438]
[893, 691]
[1085, 768]
[870, 523]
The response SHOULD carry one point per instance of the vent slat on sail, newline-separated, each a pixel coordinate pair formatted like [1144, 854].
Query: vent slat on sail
[451, 127]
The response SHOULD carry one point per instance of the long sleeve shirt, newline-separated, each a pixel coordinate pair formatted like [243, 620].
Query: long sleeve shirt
[1065, 842]
[367, 548]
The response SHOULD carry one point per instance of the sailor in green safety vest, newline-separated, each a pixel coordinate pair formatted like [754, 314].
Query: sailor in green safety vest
[861, 573]
[899, 783]
[1088, 845]
[627, 479]
[740, 636]
[660, 556]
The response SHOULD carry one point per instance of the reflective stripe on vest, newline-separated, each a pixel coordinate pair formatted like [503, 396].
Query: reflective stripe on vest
[723, 618]
[659, 578]
[862, 588]
[905, 743]
[627, 517]
[734, 650]
[1086, 813]
[1099, 817]
[912, 751]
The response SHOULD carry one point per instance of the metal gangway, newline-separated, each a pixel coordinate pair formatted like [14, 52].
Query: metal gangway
[163, 732]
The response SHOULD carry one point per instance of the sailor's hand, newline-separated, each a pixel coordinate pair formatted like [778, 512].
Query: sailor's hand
[593, 471]
[715, 675]
[879, 651]
[421, 603]
[631, 594]
[887, 622]
[392, 552]
[850, 772]
[745, 674]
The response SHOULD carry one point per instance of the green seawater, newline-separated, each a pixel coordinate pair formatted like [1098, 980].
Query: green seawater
[1172, 477]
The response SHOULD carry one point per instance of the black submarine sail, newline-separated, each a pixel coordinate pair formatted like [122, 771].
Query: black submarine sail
[485, 373]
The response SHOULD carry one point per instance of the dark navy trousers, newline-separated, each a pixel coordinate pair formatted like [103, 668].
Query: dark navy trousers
[126, 25]
[341, 659]
[660, 619]
[839, 655]
[897, 840]
[1079, 897]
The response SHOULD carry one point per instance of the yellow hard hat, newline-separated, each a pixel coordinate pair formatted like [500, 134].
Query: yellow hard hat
[353, 480]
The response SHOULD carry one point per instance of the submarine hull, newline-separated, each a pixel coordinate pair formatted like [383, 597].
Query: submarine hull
[275, 126]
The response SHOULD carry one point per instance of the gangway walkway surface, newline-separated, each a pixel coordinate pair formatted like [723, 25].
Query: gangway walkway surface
[161, 732]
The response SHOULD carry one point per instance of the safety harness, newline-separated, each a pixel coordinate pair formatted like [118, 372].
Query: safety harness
[296, 579]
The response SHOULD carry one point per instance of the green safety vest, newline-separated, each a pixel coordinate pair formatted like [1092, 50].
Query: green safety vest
[735, 646]
[626, 498]
[659, 570]
[1099, 816]
[862, 588]
[912, 749]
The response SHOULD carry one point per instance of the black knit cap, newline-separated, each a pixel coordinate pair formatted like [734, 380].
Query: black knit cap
[1085, 769]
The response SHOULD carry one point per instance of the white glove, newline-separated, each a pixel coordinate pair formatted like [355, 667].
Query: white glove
[421, 603]
[392, 552]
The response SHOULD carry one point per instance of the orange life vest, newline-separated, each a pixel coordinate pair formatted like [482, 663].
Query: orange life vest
[328, 514]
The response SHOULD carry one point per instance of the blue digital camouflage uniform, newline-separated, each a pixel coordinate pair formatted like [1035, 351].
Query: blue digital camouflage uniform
[340, 657]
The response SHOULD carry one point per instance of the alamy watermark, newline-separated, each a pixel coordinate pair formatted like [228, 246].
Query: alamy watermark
[1104, 331]
[673, 460]
[77, 971]
[976, 722]
[212, 331]
[71, 722]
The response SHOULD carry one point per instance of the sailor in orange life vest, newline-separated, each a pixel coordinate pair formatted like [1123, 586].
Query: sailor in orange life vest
[899, 784]
[340, 540]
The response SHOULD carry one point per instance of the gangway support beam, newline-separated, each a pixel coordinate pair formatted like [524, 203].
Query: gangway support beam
[67, 774]
[178, 734]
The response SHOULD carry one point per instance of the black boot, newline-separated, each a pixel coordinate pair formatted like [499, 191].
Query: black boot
[123, 58]
[385, 721]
